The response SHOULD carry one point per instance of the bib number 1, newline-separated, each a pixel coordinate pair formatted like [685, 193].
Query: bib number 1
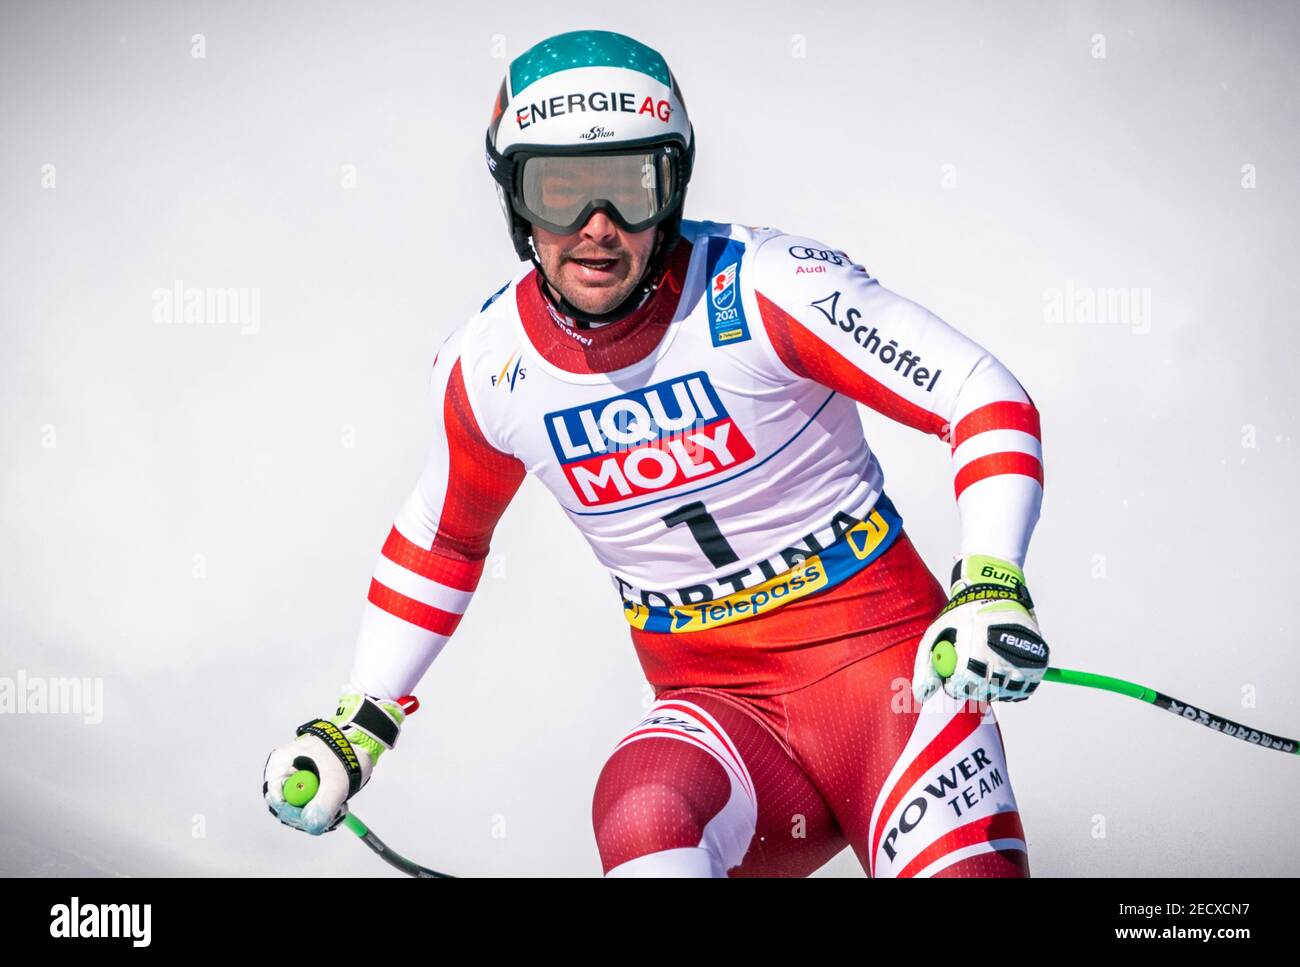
[705, 531]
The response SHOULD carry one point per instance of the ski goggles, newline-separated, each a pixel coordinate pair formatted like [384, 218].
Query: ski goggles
[636, 188]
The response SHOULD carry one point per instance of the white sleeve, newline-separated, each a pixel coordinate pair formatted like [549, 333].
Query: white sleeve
[432, 561]
[831, 322]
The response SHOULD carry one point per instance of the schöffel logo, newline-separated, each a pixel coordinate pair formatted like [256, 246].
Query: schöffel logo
[901, 360]
[723, 288]
[646, 441]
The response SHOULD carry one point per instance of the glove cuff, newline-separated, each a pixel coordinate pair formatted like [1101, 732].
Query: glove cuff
[370, 723]
[980, 576]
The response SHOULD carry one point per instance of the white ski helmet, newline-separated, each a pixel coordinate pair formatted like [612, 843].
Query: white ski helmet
[599, 115]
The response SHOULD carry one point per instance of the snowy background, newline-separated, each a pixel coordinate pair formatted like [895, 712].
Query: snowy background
[190, 513]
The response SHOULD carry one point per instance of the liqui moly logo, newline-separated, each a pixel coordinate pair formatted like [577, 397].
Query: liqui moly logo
[645, 441]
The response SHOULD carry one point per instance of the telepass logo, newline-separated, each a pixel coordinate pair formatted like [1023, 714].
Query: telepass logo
[645, 441]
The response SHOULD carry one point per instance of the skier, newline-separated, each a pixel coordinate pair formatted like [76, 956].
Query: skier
[688, 392]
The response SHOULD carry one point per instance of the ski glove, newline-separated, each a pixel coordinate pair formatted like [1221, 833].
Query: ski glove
[990, 624]
[341, 751]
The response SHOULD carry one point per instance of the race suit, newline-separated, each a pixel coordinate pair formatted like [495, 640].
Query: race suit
[708, 447]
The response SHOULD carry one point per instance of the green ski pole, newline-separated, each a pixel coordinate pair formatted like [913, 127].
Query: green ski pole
[299, 789]
[944, 658]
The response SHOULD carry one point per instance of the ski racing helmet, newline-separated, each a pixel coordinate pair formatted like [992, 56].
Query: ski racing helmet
[585, 121]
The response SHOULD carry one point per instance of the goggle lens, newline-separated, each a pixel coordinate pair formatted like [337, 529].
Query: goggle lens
[556, 190]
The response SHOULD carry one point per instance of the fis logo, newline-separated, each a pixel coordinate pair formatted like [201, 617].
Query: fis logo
[511, 373]
[646, 441]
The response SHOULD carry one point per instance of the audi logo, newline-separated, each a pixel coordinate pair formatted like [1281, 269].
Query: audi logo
[816, 254]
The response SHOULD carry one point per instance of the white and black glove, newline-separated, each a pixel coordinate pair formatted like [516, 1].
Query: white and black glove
[989, 623]
[341, 752]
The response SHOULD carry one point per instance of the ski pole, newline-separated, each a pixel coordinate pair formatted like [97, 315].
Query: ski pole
[299, 789]
[943, 656]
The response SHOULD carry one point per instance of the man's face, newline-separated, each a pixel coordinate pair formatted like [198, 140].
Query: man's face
[599, 265]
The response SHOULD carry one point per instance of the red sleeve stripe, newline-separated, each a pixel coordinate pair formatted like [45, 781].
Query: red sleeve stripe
[416, 612]
[1003, 415]
[994, 464]
[409, 583]
[808, 356]
[481, 480]
[780, 331]
[461, 575]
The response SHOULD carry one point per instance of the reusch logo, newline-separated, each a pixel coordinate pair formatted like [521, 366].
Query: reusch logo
[645, 441]
[1018, 645]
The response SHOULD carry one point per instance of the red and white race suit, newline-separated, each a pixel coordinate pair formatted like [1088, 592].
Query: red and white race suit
[708, 447]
